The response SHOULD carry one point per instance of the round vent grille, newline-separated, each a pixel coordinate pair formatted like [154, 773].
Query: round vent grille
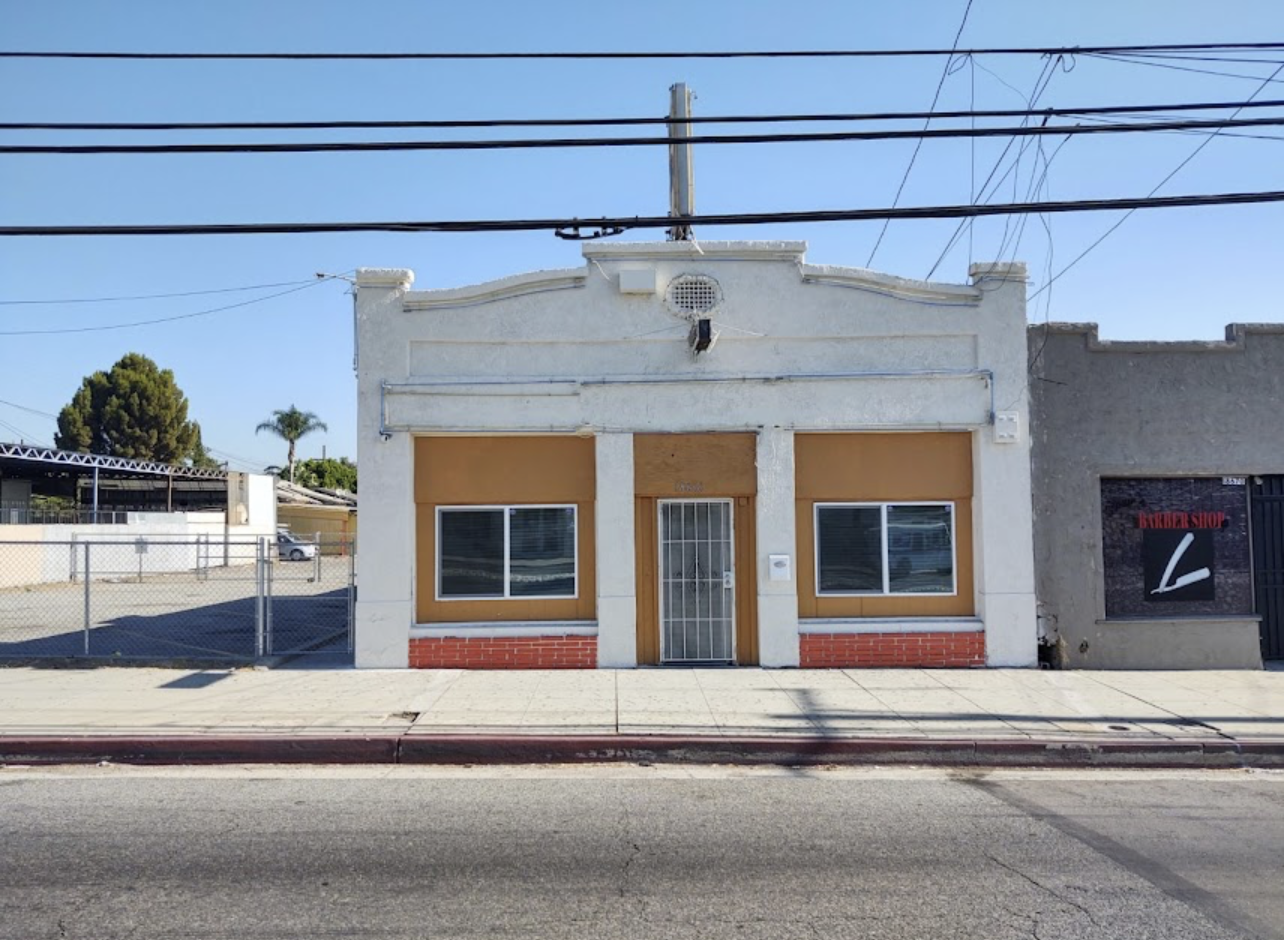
[693, 294]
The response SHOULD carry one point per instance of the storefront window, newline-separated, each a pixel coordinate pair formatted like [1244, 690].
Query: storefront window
[1176, 547]
[884, 548]
[506, 551]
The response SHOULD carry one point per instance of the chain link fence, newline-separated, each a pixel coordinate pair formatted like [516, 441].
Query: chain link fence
[164, 599]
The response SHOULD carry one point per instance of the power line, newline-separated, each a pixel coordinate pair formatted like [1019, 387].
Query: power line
[705, 54]
[1205, 133]
[945, 73]
[1158, 186]
[24, 435]
[1124, 60]
[1041, 83]
[233, 458]
[190, 293]
[548, 143]
[13, 404]
[182, 316]
[628, 222]
[630, 121]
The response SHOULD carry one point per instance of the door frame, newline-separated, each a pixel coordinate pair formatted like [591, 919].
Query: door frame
[646, 522]
[730, 503]
[1266, 538]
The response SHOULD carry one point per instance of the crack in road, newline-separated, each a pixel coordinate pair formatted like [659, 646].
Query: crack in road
[1040, 885]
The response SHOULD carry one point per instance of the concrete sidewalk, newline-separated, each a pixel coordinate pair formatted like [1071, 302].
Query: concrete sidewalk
[928, 716]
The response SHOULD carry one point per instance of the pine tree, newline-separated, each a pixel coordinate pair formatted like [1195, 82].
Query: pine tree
[135, 410]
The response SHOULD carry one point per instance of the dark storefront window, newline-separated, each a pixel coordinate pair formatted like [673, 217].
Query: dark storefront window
[1176, 547]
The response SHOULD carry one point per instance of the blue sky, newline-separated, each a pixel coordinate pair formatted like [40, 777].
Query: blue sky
[1171, 274]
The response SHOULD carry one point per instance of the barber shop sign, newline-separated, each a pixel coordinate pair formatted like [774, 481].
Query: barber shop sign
[1175, 547]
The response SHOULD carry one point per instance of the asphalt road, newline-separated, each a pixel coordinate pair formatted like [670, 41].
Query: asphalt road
[639, 853]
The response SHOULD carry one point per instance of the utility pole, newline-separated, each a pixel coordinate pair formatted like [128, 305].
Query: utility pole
[681, 166]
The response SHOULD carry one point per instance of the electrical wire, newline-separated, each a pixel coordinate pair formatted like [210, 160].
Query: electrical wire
[1201, 133]
[1158, 186]
[622, 223]
[24, 435]
[13, 404]
[548, 143]
[233, 458]
[190, 293]
[1124, 60]
[1041, 84]
[706, 54]
[971, 113]
[900, 189]
[182, 316]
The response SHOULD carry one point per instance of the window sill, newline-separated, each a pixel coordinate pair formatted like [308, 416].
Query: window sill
[891, 625]
[501, 628]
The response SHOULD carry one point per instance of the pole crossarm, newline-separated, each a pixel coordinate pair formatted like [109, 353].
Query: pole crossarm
[69, 458]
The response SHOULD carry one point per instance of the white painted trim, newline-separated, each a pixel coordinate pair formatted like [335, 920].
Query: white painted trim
[503, 288]
[890, 286]
[853, 625]
[723, 251]
[395, 278]
[502, 628]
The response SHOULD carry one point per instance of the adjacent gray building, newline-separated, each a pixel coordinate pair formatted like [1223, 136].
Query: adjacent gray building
[1158, 485]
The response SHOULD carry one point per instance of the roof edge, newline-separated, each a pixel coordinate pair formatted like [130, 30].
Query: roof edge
[515, 285]
[723, 251]
[892, 286]
[1236, 337]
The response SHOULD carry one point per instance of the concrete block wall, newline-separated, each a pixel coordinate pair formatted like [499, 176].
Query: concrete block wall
[1141, 409]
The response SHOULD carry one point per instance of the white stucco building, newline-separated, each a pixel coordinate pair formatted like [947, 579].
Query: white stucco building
[694, 453]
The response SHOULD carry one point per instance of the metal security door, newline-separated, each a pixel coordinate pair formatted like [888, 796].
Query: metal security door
[697, 581]
[1267, 503]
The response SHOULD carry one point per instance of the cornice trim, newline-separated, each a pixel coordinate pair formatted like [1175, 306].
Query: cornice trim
[517, 285]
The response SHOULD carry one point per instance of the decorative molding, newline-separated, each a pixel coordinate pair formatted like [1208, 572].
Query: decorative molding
[998, 271]
[396, 278]
[517, 285]
[958, 295]
[722, 251]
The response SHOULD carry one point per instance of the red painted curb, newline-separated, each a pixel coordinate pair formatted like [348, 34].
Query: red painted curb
[200, 749]
[668, 749]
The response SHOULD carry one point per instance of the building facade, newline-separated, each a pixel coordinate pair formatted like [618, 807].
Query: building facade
[684, 453]
[1159, 497]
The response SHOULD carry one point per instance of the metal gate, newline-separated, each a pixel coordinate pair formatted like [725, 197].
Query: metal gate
[1267, 515]
[697, 581]
[309, 602]
[158, 599]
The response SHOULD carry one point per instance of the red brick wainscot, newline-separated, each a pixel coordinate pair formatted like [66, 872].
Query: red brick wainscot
[889, 650]
[505, 652]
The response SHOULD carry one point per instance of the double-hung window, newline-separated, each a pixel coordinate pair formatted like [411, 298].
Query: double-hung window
[506, 551]
[885, 548]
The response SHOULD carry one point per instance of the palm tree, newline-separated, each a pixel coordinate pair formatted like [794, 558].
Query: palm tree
[290, 425]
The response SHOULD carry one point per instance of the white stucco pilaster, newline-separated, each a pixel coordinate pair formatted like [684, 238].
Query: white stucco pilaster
[777, 600]
[616, 571]
[1002, 505]
[386, 555]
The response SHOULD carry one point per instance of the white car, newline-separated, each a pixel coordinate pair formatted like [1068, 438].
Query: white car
[292, 548]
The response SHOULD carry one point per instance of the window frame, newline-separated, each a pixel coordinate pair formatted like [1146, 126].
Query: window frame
[505, 510]
[883, 508]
